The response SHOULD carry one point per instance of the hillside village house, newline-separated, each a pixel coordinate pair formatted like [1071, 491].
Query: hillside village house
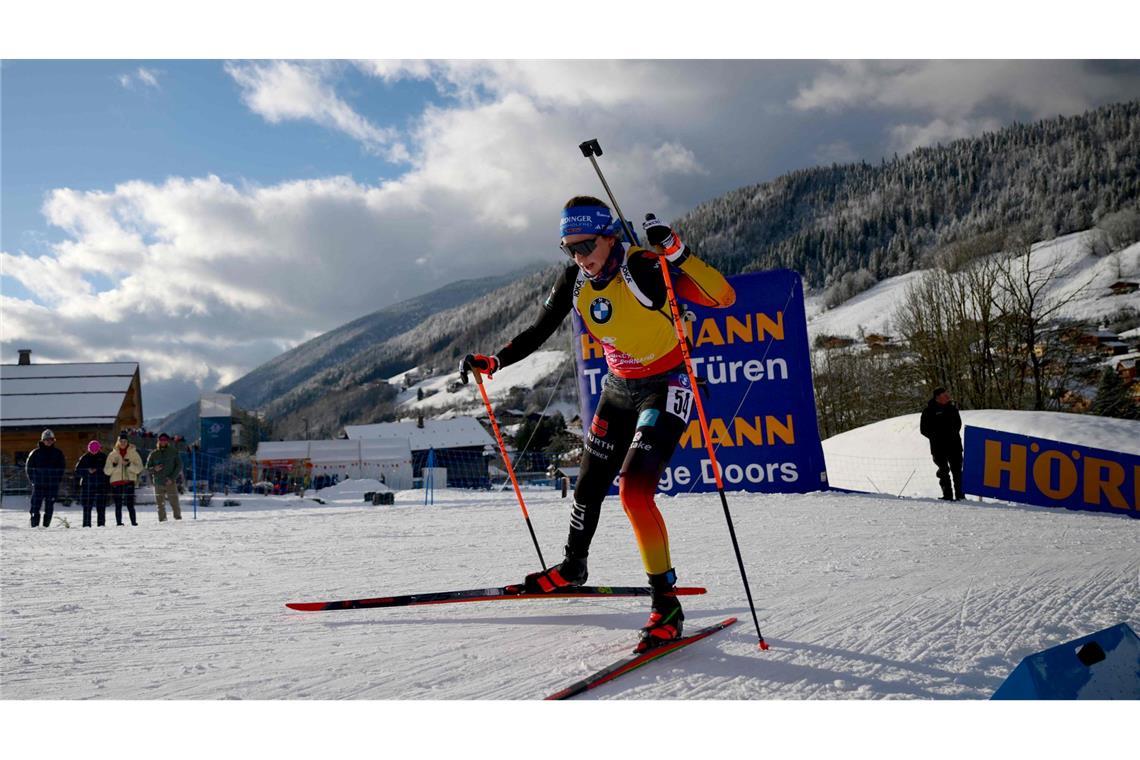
[80, 402]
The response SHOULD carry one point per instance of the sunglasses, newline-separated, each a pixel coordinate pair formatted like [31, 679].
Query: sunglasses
[582, 248]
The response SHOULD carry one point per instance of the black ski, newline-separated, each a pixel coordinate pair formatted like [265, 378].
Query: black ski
[496, 594]
[636, 660]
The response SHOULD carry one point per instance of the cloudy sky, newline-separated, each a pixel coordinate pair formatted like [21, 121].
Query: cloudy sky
[202, 216]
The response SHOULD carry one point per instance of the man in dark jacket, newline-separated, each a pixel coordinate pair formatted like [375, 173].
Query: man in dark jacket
[93, 484]
[940, 424]
[45, 468]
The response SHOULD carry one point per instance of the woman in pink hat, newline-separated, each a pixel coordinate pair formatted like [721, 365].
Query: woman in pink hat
[93, 483]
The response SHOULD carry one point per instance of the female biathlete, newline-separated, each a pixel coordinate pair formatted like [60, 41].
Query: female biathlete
[619, 293]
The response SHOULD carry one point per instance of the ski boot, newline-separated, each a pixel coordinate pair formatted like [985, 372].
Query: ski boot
[571, 571]
[666, 618]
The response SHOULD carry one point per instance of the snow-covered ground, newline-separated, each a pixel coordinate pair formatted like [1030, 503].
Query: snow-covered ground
[874, 310]
[892, 457]
[860, 597]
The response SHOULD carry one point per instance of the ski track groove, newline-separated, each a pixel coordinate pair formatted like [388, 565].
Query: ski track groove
[860, 598]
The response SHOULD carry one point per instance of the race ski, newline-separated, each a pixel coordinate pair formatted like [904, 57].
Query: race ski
[496, 594]
[636, 660]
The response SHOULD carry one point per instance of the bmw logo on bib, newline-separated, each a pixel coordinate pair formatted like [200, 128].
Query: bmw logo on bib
[601, 310]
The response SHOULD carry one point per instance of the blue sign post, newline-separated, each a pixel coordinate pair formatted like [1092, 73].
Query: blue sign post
[755, 361]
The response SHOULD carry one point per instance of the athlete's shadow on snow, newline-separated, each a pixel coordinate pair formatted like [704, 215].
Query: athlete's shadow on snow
[616, 621]
[772, 672]
[982, 684]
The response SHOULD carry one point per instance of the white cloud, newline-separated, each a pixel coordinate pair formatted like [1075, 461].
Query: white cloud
[140, 77]
[147, 77]
[953, 89]
[960, 98]
[907, 137]
[210, 278]
[280, 91]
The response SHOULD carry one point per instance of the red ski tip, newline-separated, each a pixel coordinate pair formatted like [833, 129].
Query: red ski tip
[763, 645]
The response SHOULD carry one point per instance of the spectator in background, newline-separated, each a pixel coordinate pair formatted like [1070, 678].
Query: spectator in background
[124, 465]
[165, 466]
[45, 468]
[93, 483]
[940, 424]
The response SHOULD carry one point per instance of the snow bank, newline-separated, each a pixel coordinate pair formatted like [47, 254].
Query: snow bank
[352, 490]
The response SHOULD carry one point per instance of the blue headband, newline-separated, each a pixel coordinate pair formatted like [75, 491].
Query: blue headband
[589, 220]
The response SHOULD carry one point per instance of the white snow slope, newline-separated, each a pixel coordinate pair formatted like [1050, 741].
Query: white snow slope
[860, 597]
[874, 310]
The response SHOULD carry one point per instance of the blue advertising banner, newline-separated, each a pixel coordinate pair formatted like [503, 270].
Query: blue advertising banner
[217, 437]
[1050, 473]
[758, 396]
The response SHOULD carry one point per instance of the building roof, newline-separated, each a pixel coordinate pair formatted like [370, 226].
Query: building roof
[63, 394]
[334, 452]
[1128, 360]
[435, 434]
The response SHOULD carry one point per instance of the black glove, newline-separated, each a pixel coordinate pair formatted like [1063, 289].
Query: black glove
[488, 365]
[663, 240]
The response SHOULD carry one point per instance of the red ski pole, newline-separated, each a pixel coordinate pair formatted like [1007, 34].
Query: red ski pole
[506, 458]
[589, 149]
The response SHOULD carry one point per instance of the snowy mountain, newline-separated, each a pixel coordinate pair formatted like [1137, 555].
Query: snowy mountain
[442, 393]
[1062, 175]
[330, 360]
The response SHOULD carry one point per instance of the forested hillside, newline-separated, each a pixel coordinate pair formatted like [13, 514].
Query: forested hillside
[1061, 174]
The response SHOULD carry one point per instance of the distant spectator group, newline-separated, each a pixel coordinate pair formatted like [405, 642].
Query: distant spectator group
[102, 476]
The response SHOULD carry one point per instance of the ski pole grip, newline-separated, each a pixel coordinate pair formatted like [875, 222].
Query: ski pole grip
[591, 148]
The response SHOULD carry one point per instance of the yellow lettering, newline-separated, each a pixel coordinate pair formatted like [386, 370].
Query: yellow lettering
[709, 333]
[692, 436]
[1096, 483]
[744, 431]
[591, 349]
[737, 329]
[764, 324]
[718, 433]
[995, 466]
[777, 429]
[1042, 475]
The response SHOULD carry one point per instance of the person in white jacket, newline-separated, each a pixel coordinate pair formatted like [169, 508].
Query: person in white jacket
[124, 465]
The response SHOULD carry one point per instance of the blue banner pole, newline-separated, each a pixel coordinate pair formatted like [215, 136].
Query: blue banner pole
[194, 474]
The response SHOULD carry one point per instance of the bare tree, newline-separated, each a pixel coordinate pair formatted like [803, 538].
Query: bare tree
[1024, 295]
